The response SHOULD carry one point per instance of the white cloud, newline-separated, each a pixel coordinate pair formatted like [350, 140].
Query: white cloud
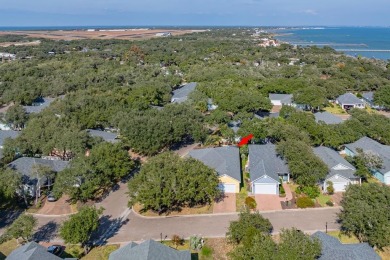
[310, 11]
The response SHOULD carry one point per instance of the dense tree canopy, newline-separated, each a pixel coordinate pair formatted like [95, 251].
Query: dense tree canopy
[79, 227]
[167, 182]
[366, 213]
[87, 175]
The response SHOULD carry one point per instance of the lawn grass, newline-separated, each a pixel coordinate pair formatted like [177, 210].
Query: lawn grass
[73, 251]
[322, 199]
[336, 109]
[206, 209]
[7, 247]
[385, 253]
[101, 252]
[184, 246]
[240, 199]
[343, 238]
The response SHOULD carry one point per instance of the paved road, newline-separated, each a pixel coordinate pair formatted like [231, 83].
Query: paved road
[119, 224]
[139, 228]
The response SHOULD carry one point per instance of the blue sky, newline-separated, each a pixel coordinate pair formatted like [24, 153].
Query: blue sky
[195, 12]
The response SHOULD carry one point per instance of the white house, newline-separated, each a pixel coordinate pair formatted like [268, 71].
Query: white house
[281, 99]
[349, 101]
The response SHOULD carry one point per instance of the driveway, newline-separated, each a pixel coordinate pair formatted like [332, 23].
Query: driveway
[59, 207]
[226, 205]
[268, 202]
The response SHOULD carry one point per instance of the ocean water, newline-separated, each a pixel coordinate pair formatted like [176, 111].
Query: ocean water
[370, 42]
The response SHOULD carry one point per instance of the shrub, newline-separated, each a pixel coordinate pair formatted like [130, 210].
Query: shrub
[250, 202]
[305, 202]
[311, 191]
[177, 240]
[329, 187]
[196, 243]
[281, 189]
[329, 203]
[207, 251]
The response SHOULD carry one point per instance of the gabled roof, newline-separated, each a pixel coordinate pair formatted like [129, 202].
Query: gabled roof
[371, 146]
[332, 249]
[24, 165]
[180, 95]
[31, 251]
[284, 98]
[225, 160]
[327, 118]
[38, 108]
[263, 160]
[8, 133]
[336, 163]
[349, 98]
[149, 250]
[368, 96]
[107, 136]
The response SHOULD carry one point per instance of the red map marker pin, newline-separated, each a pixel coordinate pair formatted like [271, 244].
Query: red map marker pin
[245, 140]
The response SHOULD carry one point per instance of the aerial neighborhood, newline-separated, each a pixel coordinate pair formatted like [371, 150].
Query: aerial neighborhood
[216, 144]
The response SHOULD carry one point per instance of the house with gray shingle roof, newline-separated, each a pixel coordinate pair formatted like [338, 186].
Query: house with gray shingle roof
[266, 168]
[38, 106]
[26, 167]
[7, 134]
[341, 173]
[149, 250]
[371, 146]
[32, 251]
[333, 249]
[348, 101]
[368, 98]
[181, 94]
[226, 162]
[327, 118]
[281, 99]
[106, 136]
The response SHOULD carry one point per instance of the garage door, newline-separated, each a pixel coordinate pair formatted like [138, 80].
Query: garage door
[265, 188]
[227, 187]
[387, 179]
[339, 186]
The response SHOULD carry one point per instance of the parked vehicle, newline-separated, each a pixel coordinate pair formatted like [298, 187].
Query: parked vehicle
[51, 197]
[56, 250]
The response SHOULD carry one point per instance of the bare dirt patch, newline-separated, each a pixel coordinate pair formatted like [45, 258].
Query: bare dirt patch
[7, 44]
[220, 248]
[102, 34]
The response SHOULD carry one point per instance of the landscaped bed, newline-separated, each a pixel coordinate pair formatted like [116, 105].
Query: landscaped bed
[207, 209]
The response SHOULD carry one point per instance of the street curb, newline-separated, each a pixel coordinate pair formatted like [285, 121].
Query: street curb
[231, 213]
[48, 216]
[222, 236]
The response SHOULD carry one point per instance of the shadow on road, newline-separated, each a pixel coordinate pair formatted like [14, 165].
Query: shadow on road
[107, 229]
[47, 232]
[7, 217]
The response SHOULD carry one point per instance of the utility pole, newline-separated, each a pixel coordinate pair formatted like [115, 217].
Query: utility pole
[326, 227]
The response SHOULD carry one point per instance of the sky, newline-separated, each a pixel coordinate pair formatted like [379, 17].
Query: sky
[194, 12]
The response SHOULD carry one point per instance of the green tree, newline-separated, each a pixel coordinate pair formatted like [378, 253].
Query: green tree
[254, 245]
[238, 229]
[10, 183]
[106, 164]
[79, 227]
[297, 245]
[23, 227]
[167, 182]
[314, 97]
[365, 213]
[16, 116]
[382, 96]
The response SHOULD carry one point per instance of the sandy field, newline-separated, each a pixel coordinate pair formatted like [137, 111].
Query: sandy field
[129, 34]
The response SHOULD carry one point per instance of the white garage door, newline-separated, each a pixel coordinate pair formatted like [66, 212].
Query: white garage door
[387, 179]
[265, 188]
[339, 186]
[227, 187]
